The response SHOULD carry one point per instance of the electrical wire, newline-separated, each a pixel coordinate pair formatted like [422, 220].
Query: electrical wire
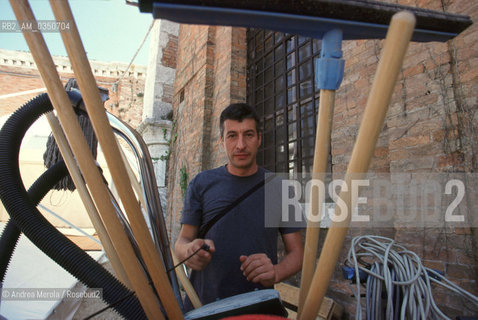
[137, 51]
[203, 247]
[91, 316]
[400, 272]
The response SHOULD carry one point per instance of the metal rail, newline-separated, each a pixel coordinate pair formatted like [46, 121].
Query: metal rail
[153, 210]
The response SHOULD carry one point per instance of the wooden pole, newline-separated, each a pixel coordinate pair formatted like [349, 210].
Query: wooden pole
[107, 140]
[188, 287]
[80, 148]
[319, 169]
[396, 43]
[86, 198]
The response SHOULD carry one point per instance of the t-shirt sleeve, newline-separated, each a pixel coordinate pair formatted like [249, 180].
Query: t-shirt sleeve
[192, 210]
[283, 209]
[290, 230]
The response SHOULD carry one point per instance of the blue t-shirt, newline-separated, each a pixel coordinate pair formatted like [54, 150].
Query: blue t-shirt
[241, 231]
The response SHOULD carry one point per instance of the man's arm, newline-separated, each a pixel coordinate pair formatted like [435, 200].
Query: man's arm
[292, 262]
[258, 268]
[188, 243]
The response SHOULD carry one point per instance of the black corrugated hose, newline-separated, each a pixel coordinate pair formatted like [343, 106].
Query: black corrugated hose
[8, 242]
[47, 238]
[11, 233]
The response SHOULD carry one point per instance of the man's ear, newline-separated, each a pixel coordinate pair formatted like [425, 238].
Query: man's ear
[221, 141]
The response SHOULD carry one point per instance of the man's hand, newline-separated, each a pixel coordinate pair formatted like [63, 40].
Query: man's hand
[187, 244]
[202, 258]
[258, 268]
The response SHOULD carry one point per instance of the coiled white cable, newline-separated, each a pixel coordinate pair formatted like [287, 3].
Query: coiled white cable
[390, 265]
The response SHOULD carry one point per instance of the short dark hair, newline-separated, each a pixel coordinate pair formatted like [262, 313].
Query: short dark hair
[238, 112]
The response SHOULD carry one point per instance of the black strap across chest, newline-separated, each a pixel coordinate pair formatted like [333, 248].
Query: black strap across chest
[204, 230]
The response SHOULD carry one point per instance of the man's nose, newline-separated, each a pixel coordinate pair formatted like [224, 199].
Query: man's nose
[240, 142]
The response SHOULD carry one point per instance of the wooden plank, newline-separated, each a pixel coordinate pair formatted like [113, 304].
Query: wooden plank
[85, 243]
[290, 295]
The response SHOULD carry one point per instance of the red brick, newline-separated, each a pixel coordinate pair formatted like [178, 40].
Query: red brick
[454, 160]
[410, 141]
[465, 258]
[463, 230]
[417, 69]
[460, 272]
[435, 265]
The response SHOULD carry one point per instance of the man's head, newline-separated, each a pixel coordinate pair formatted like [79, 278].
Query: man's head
[238, 112]
[240, 138]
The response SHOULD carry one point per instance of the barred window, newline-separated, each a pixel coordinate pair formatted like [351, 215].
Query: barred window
[281, 86]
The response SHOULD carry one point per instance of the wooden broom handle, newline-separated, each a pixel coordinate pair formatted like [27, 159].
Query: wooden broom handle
[319, 169]
[188, 287]
[86, 198]
[80, 148]
[396, 43]
[180, 273]
[182, 277]
[107, 140]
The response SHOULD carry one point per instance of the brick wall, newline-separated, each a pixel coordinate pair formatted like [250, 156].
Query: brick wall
[210, 74]
[229, 79]
[189, 104]
[18, 73]
[430, 128]
[126, 99]
[169, 60]
[10, 77]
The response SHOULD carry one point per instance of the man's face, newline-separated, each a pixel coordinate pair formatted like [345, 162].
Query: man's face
[241, 141]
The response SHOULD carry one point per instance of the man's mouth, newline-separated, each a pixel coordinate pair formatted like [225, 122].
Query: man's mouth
[241, 155]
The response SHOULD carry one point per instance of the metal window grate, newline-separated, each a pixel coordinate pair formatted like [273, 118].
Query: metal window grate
[281, 86]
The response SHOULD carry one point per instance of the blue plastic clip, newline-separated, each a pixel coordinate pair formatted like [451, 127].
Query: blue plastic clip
[329, 68]
[349, 274]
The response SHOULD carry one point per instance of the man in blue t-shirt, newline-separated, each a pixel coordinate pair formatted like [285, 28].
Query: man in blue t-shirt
[242, 252]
